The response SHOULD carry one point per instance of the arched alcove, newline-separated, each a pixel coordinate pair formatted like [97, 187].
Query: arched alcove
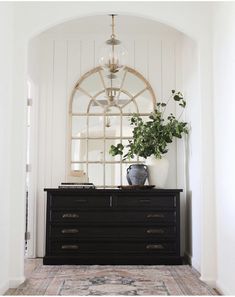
[165, 56]
[195, 22]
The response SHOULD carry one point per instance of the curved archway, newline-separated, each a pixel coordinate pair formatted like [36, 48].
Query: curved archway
[157, 57]
[167, 19]
[169, 22]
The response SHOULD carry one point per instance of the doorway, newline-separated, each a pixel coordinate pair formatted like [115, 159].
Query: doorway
[31, 171]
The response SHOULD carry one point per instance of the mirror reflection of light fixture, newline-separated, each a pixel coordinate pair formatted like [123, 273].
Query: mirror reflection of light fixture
[113, 56]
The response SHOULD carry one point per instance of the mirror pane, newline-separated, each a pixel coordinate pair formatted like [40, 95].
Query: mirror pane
[95, 108]
[96, 150]
[125, 143]
[102, 99]
[124, 171]
[80, 102]
[112, 126]
[108, 143]
[78, 149]
[127, 128]
[79, 125]
[113, 122]
[92, 85]
[112, 174]
[131, 107]
[96, 126]
[93, 177]
[81, 168]
[145, 102]
[133, 84]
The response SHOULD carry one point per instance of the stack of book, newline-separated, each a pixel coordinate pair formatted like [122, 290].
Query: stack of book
[77, 186]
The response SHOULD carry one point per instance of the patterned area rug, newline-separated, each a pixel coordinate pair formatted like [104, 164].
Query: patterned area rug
[110, 280]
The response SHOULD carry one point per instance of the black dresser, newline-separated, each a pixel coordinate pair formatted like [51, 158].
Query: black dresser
[112, 226]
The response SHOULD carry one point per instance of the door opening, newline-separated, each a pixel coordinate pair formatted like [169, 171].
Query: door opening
[30, 213]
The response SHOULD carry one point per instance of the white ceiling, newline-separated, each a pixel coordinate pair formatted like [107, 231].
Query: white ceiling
[125, 25]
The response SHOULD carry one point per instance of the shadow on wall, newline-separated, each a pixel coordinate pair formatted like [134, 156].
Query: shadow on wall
[188, 205]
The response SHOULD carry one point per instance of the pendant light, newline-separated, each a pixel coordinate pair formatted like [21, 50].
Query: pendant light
[113, 55]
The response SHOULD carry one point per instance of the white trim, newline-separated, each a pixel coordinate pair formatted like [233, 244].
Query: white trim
[4, 287]
[195, 264]
[210, 282]
[15, 282]
[221, 289]
[32, 189]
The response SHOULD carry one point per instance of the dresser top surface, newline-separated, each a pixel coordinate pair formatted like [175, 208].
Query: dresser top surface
[108, 190]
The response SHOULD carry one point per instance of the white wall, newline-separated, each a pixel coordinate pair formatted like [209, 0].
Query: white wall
[224, 119]
[194, 21]
[193, 153]
[67, 52]
[6, 36]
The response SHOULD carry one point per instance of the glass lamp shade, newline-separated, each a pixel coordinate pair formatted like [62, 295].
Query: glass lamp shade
[113, 57]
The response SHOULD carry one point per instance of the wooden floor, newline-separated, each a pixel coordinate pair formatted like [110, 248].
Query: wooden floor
[110, 280]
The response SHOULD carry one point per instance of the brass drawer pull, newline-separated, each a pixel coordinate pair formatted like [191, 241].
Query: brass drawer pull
[69, 231]
[145, 200]
[155, 231]
[81, 200]
[70, 216]
[155, 215]
[154, 247]
[70, 247]
[111, 201]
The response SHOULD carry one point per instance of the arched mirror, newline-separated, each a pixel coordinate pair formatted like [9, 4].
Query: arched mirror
[99, 112]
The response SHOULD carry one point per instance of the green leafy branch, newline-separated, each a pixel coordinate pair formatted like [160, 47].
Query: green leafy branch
[153, 136]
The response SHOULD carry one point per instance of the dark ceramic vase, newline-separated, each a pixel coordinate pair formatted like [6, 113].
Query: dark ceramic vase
[137, 174]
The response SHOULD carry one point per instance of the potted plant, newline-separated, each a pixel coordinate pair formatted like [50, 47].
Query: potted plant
[151, 139]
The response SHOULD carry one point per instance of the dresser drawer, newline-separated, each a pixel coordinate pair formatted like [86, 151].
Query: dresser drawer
[145, 201]
[113, 217]
[75, 231]
[112, 226]
[76, 247]
[79, 202]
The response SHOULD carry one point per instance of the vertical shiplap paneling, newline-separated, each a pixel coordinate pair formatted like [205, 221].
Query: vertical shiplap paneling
[141, 56]
[168, 83]
[73, 75]
[98, 45]
[74, 71]
[59, 113]
[87, 55]
[155, 65]
[129, 44]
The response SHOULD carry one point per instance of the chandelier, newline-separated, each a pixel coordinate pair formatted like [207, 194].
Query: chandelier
[113, 55]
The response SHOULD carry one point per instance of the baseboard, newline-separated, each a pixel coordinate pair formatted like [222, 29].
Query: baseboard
[4, 287]
[188, 258]
[210, 282]
[222, 290]
[196, 265]
[191, 261]
[15, 282]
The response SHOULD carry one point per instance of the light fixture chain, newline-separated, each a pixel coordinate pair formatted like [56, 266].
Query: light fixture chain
[113, 34]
